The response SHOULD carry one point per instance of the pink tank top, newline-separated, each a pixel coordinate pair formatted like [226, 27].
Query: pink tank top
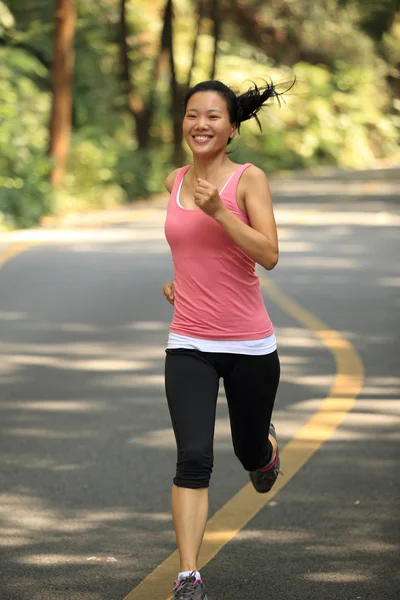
[217, 293]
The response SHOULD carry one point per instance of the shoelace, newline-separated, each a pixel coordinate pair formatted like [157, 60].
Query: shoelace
[185, 588]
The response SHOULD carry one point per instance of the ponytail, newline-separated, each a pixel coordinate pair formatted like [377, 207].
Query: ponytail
[252, 101]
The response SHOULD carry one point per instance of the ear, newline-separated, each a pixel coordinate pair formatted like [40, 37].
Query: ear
[234, 131]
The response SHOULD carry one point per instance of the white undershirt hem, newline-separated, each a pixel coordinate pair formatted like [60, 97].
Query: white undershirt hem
[254, 347]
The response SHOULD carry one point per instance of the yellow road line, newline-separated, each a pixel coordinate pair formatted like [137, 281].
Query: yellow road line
[13, 251]
[238, 511]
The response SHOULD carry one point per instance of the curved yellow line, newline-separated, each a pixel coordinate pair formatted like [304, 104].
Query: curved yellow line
[238, 511]
[13, 251]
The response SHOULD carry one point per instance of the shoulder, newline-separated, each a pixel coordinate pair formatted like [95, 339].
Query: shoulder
[253, 182]
[170, 179]
[254, 175]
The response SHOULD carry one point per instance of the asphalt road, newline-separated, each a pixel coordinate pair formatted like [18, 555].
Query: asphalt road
[87, 454]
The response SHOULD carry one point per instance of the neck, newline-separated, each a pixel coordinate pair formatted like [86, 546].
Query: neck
[206, 167]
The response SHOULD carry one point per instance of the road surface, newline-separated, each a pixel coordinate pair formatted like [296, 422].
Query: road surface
[87, 453]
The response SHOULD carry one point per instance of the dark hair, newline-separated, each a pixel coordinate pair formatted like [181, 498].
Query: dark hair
[240, 107]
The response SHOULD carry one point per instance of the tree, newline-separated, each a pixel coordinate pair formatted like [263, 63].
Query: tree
[141, 108]
[216, 35]
[61, 76]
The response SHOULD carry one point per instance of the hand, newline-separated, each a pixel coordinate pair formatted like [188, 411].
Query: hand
[207, 198]
[169, 292]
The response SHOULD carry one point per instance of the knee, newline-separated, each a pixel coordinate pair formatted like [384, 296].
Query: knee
[253, 458]
[194, 468]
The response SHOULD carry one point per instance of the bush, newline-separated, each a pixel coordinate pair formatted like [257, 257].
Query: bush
[25, 192]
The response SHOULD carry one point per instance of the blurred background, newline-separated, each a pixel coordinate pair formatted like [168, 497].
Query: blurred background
[91, 92]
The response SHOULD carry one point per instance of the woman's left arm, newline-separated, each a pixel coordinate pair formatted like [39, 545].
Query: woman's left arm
[259, 240]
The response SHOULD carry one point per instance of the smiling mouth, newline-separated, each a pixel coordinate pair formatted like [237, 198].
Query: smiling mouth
[202, 138]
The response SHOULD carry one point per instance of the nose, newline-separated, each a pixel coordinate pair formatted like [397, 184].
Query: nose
[201, 123]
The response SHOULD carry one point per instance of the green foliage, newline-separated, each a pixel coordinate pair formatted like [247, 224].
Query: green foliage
[25, 194]
[340, 112]
[376, 16]
[338, 118]
[332, 118]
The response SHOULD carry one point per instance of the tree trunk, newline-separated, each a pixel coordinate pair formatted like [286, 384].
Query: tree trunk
[142, 112]
[200, 14]
[275, 41]
[217, 31]
[61, 74]
[176, 90]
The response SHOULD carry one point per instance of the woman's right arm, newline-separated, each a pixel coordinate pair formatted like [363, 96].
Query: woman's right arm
[169, 292]
[168, 288]
[169, 182]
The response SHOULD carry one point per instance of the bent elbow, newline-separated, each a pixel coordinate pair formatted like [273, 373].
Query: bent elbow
[271, 262]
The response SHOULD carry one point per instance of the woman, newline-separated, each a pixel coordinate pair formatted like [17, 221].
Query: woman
[219, 223]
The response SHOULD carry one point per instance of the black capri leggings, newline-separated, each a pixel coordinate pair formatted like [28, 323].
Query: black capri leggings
[191, 385]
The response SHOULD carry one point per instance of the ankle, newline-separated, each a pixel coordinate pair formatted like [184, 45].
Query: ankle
[274, 445]
[272, 463]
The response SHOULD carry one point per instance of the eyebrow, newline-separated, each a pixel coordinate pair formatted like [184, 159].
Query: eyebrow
[210, 110]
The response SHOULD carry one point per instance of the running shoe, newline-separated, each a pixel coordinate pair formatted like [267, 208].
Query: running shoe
[263, 479]
[189, 588]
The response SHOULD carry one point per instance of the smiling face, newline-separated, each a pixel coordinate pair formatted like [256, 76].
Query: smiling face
[206, 124]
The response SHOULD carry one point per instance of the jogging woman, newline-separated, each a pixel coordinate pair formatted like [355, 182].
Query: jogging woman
[219, 224]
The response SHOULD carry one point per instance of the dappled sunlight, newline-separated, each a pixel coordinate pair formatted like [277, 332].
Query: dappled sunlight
[13, 316]
[92, 348]
[86, 405]
[297, 246]
[49, 434]
[369, 390]
[333, 187]
[340, 576]
[348, 546]
[133, 381]
[160, 438]
[323, 262]
[296, 337]
[55, 559]
[314, 381]
[164, 438]
[317, 218]
[103, 365]
[25, 518]
[369, 421]
[112, 370]
[383, 381]
[128, 366]
[147, 326]
[274, 536]
[96, 240]
[351, 249]
[309, 405]
[30, 462]
[286, 359]
[78, 328]
[88, 452]
[389, 281]
[151, 245]
[28, 513]
[368, 337]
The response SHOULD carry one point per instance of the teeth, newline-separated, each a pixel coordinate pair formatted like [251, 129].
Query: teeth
[202, 137]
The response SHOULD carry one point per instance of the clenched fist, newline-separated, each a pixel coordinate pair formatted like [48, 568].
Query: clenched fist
[207, 198]
[169, 292]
